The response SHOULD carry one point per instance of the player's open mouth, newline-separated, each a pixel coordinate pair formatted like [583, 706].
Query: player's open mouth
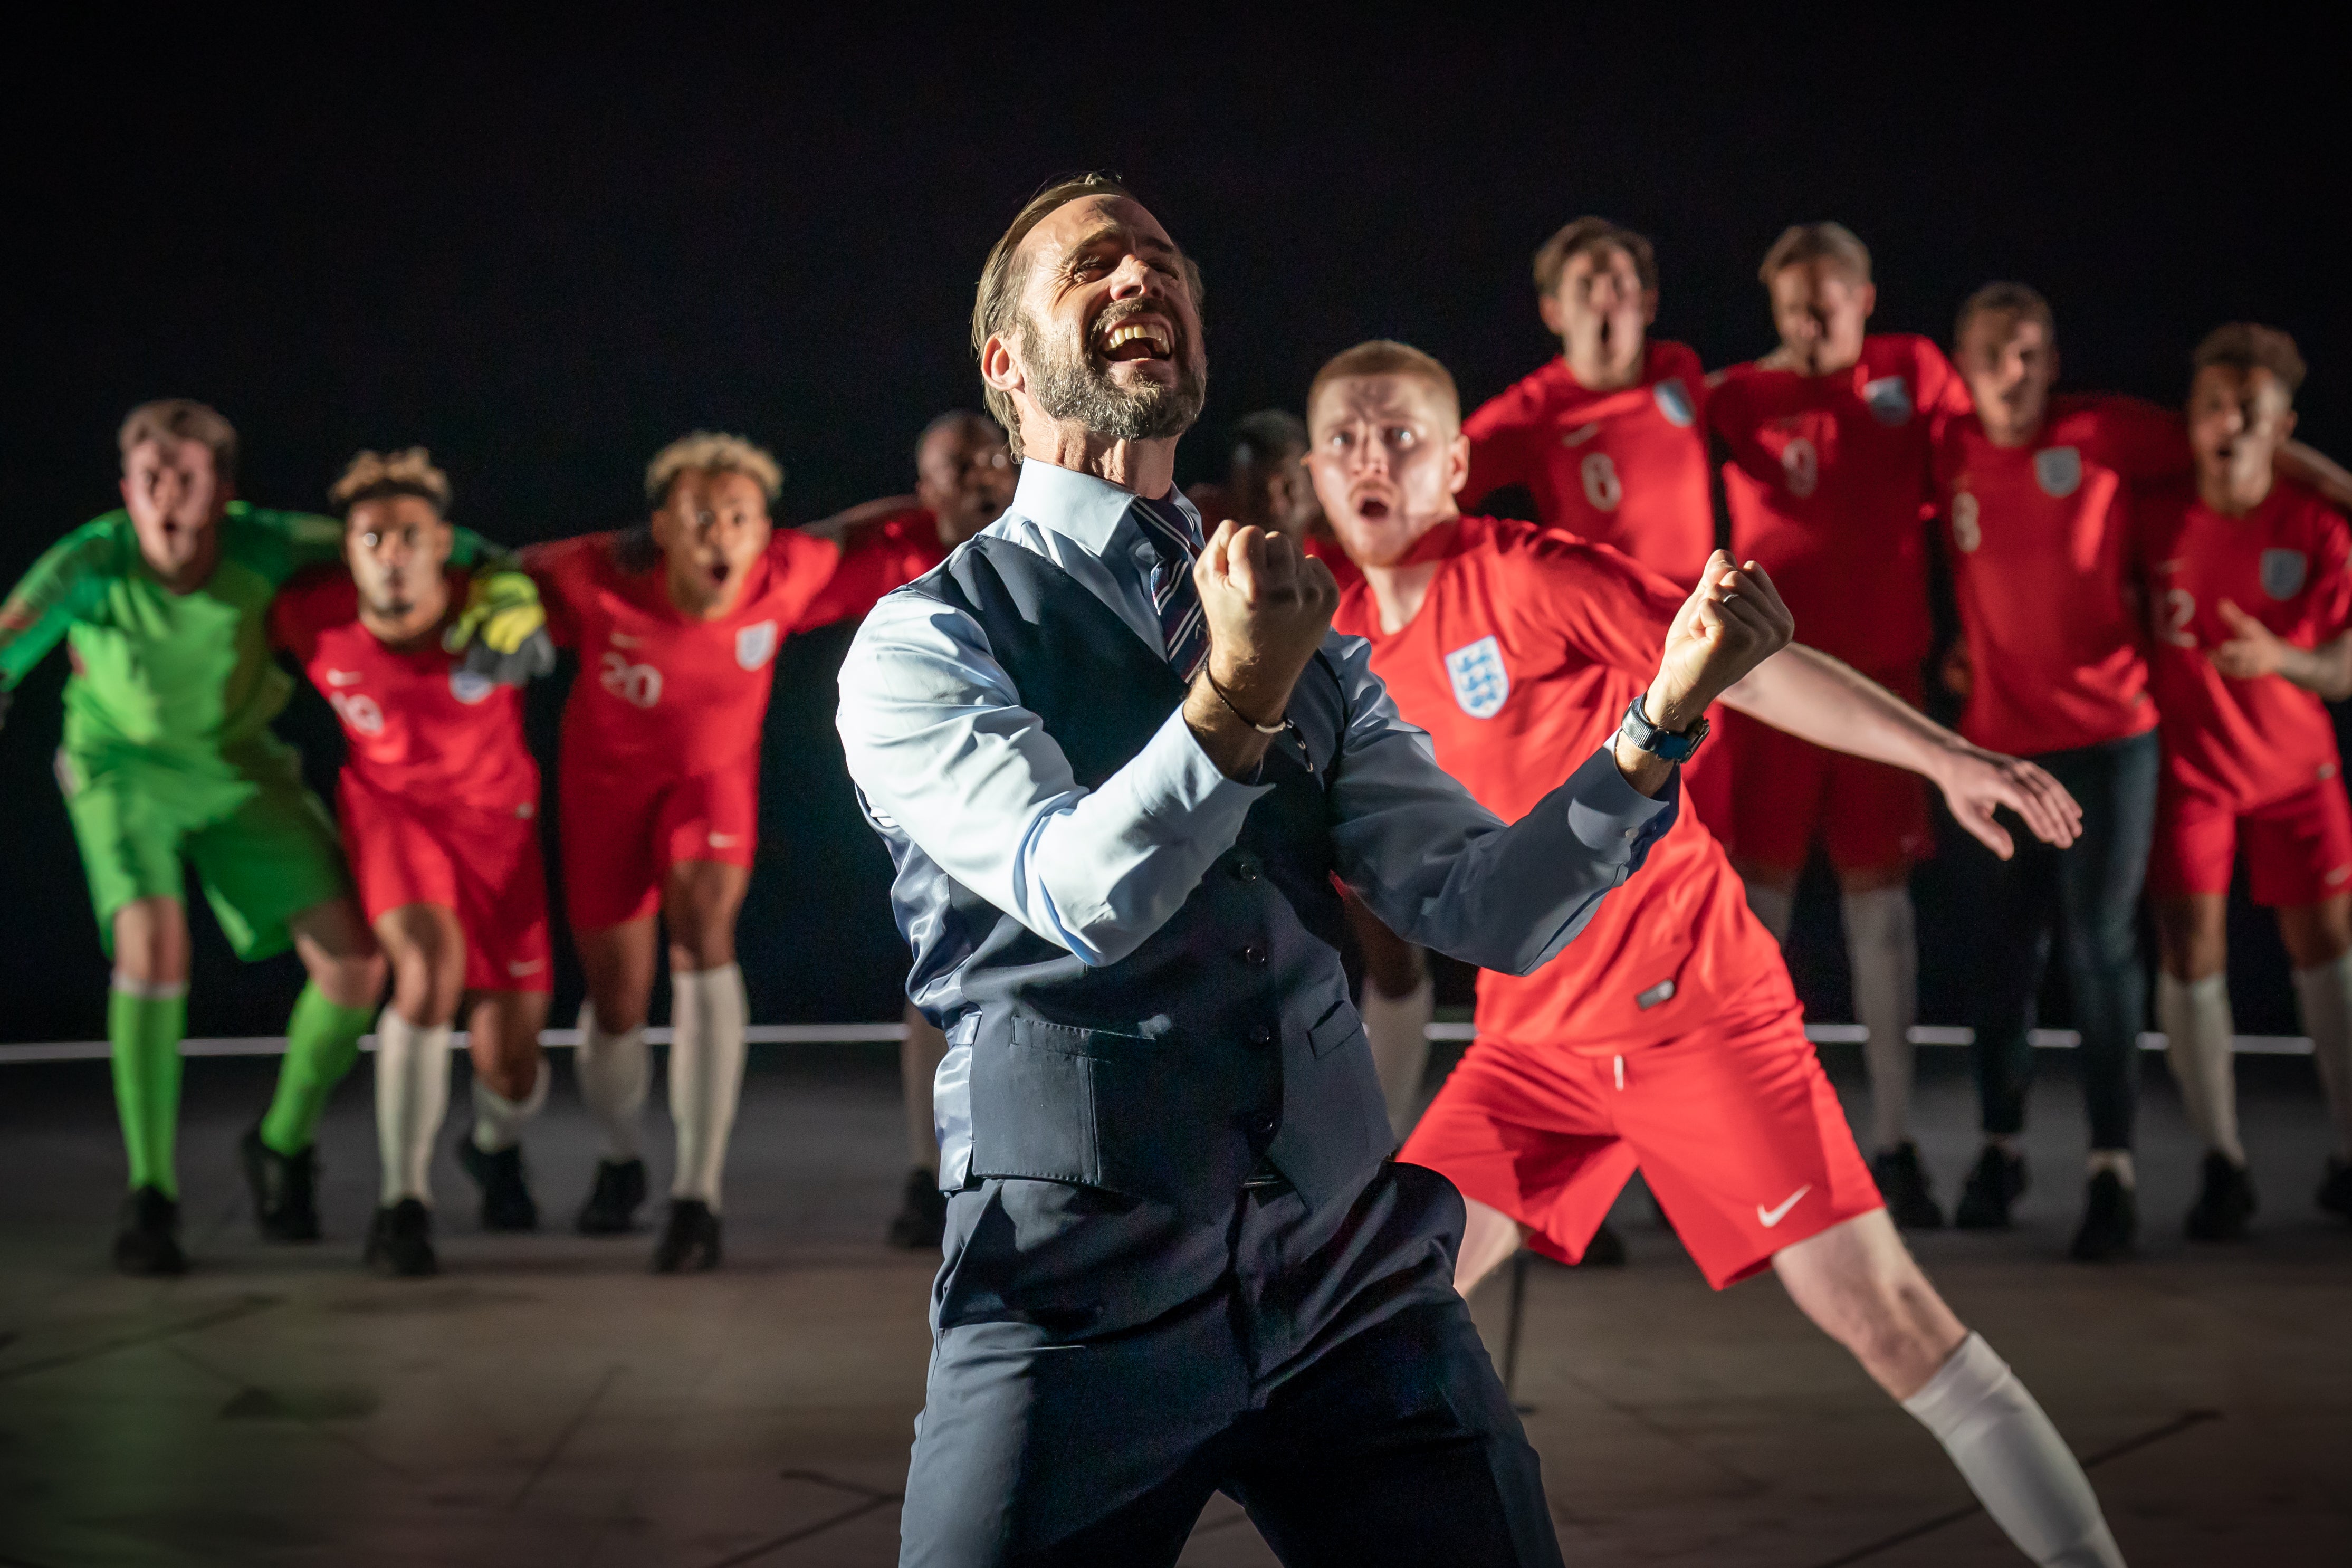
[1137, 338]
[1372, 509]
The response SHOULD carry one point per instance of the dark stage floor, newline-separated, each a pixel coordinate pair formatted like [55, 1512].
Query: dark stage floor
[546, 1401]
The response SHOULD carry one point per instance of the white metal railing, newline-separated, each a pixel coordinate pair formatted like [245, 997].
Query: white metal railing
[849, 1034]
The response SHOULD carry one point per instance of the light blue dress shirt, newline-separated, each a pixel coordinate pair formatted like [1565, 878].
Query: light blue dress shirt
[944, 753]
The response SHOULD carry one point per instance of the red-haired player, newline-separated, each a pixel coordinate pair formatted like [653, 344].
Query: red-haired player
[1827, 484]
[2249, 593]
[677, 625]
[1667, 1036]
[438, 805]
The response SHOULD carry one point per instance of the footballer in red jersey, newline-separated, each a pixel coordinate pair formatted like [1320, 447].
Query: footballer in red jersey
[1826, 481]
[677, 627]
[2249, 600]
[1611, 437]
[438, 803]
[2033, 493]
[1666, 1037]
[963, 482]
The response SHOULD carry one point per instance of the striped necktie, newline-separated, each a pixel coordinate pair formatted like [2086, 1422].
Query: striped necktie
[1183, 628]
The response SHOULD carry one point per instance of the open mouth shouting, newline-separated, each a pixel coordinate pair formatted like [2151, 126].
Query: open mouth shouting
[1136, 336]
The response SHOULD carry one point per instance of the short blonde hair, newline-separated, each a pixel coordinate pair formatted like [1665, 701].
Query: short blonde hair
[710, 451]
[1386, 356]
[1802, 242]
[171, 420]
[371, 476]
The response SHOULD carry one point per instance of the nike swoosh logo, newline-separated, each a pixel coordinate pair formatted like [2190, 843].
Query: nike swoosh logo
[345, 676]
[531, 968]
[1767, 1218]
[623, 639]
[1580, 436]
[725, 840]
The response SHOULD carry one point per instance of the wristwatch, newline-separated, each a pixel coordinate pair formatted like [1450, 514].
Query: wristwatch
[1662, 743]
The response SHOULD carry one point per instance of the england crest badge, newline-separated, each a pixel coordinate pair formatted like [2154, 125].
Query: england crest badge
[1674, 402]
[1888, 399]
[755, 644]
[2283, 572]
[469, 688]
[1481, 684]
[2058, 470]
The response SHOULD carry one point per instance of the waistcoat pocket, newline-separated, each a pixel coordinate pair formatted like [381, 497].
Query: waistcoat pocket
[1096, 1107]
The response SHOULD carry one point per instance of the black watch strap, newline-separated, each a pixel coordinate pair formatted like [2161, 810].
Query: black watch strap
[1662, 743]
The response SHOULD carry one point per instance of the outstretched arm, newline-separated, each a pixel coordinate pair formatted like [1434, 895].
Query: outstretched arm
[1814, 698]
[838, 527]
[60, 588]
[2308, 466]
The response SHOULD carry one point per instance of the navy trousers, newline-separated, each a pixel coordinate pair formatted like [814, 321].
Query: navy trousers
[2086, 898]
[1385, 1439]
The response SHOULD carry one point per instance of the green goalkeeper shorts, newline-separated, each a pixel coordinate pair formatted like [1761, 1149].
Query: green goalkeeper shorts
[263, 847]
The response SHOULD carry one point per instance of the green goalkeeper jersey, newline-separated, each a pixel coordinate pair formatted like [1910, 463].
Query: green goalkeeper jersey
[187, 678]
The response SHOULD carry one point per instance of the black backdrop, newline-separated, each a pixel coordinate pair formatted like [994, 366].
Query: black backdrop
[544, 252]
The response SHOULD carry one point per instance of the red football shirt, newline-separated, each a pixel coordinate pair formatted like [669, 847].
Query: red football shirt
[414, 722]
[660, 692]
[1625, 468]
[2041, 551]
[1827, 485]
[876, 558]
[1521, 663]
[2244, 743]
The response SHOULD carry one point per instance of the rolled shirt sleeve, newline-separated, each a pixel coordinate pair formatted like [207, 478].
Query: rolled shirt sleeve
[937, 740]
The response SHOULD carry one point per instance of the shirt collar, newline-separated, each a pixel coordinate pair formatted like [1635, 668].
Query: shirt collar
[1080, 507]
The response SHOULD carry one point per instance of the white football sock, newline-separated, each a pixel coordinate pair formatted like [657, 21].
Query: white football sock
[1882, 946]
[918, 1065]
[1398, 1028]
[412, 1096]
[1776, 907]
[2120, 1161]
[708, 1014]
[2197, 1032]
[2014, 1460]
[497, 1120]
[615, 1070]
[2325, 994]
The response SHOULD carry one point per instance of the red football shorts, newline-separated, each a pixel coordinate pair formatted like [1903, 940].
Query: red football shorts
[1870, 816]
[1734, 1126]
[483, 865]
[621, 835]
[2298, 850]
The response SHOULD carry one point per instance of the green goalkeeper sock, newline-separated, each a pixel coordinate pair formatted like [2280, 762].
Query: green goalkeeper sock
[144, 1027]
[322, 1041]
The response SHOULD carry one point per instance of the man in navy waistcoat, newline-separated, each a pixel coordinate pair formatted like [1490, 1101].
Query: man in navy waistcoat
[1118, 769]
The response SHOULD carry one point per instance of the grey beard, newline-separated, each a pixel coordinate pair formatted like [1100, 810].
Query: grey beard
[1069, 386]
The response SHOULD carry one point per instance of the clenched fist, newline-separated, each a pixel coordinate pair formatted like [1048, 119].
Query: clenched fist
[1733, 621]
[1267, 605]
